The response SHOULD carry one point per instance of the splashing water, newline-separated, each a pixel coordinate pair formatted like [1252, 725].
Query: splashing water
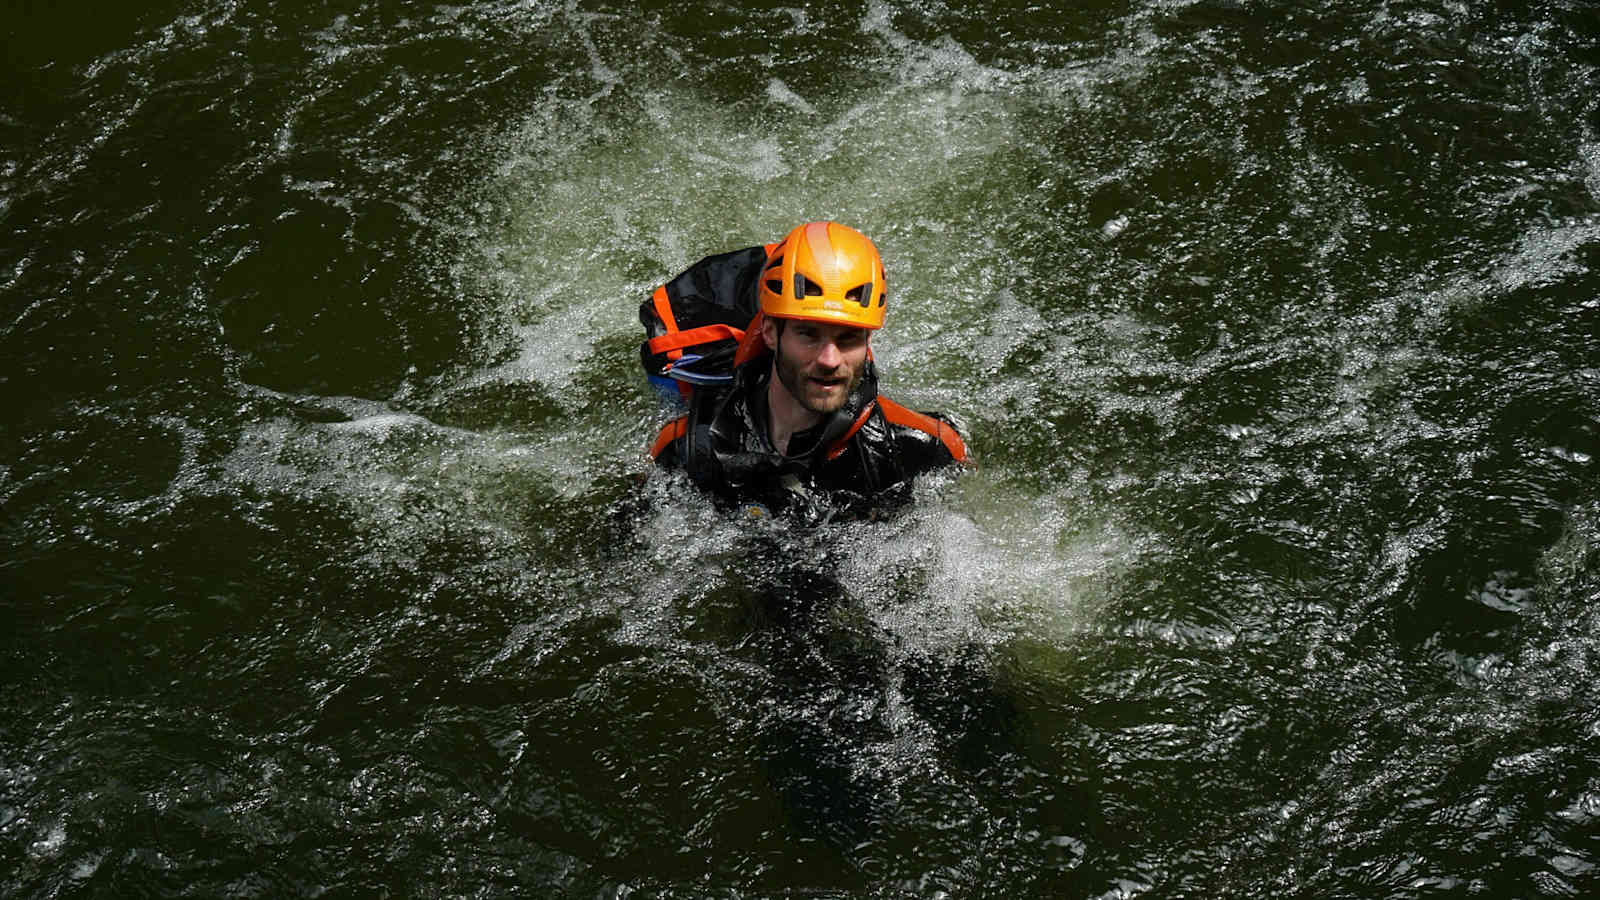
[337, 562]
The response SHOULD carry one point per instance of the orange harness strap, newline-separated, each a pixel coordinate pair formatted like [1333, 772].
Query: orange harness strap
[899, 415]
[837, 449]
[670, 432]
[675, 340]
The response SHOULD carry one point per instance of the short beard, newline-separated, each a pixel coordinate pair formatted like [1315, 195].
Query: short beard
[790, 377]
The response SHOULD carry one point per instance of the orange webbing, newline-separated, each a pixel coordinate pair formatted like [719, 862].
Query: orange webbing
[839, 445]
[670, 432]
[664, 313]
[899, 415]
[676, 340]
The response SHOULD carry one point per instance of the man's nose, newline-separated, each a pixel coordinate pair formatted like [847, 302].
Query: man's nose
[828, 355]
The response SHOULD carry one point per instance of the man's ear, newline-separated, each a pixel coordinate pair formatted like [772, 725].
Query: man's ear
[769, 333]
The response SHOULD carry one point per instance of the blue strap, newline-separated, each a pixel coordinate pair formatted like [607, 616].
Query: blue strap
[677, 370]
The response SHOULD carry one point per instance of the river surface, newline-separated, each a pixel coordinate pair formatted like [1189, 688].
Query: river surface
[331, 563]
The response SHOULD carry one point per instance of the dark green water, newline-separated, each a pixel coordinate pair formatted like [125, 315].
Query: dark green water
[328, 569]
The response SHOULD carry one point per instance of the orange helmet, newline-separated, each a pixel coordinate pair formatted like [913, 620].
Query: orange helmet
[825, 272]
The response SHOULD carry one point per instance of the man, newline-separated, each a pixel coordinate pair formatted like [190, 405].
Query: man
[800, 426]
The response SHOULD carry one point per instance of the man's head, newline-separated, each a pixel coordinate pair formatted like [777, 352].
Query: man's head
[822, 294]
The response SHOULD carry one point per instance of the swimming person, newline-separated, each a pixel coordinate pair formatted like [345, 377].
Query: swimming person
[785, 411]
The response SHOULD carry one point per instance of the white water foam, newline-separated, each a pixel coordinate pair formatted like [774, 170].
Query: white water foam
[602, 198]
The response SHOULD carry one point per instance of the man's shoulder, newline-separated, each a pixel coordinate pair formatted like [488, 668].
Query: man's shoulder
[931, 435]
[718, 414]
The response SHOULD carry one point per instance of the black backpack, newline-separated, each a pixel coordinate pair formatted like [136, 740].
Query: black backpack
[695, 323]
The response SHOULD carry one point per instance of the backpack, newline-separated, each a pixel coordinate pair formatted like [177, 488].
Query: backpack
[703, 323]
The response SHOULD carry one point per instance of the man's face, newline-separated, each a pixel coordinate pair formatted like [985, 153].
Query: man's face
[818, 363]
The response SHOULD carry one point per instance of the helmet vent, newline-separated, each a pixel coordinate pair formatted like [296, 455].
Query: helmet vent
[805, 287]
[774, 286]
[861, 294]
